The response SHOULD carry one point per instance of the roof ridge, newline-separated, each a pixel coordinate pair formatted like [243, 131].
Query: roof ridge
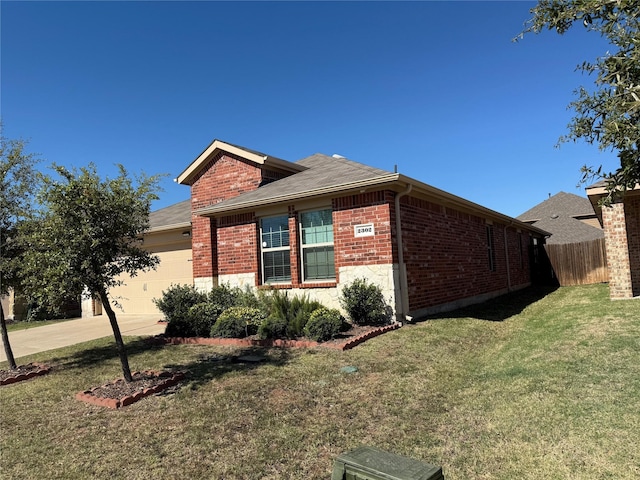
[343, 159]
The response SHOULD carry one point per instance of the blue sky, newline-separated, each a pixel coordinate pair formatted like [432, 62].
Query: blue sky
[437, 88]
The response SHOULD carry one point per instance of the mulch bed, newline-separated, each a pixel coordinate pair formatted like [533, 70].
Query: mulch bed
[121, 393]
[23, 372]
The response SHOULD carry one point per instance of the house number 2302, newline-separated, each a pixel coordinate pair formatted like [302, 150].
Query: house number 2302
[365, 230]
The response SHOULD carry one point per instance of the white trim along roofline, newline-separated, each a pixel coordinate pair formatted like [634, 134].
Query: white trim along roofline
[173, 226]
[187, 175]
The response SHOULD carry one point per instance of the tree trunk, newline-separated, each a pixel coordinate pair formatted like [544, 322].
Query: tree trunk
[124, 360]
[5, 341]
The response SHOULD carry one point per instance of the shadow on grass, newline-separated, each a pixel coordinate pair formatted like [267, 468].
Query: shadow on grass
[89, 357]
[498, 309]
[208, 365]
[212, 365]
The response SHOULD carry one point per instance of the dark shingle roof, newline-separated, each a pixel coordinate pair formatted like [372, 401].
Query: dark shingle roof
[558, 215]
[178, 214]
[323, 172]
[568, 230]
[561, 204]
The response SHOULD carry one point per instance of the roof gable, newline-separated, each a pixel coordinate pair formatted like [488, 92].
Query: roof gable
[187, 176]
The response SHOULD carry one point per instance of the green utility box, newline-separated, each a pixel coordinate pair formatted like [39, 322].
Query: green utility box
[369, 463]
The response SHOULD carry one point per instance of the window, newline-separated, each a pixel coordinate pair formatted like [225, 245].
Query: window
[520, 250]
[316, 240]
[491, 249]
[276, 261]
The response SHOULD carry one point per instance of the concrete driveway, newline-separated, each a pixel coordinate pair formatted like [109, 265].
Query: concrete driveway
[63, 334]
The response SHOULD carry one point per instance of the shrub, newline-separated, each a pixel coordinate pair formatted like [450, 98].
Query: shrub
[247, 298]
[324, 324]
[294, 311]
[273, 327]
[224, 296]
[202, 316]
[365, 303]
[179, 328]
[236, 322]
[177, 300]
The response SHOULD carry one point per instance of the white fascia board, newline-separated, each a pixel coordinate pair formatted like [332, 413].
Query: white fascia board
[190, 171]
[174, 226]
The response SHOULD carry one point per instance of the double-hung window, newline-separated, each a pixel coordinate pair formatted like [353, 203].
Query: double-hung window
[276, 260]
[316, 241]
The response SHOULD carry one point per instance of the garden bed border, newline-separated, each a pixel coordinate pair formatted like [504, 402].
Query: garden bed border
[250, 342]
[42, 369]
[88, 396]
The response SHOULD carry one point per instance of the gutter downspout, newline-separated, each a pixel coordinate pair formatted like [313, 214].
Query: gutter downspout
[403, 315]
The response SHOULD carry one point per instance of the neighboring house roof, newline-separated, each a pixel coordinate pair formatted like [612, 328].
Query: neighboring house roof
[177, 215]
[560, 215]
[598, 190]
[568, 230]
[562, 204]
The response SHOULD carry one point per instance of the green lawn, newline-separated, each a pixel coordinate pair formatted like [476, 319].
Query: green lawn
[15, 326]
[523, 387]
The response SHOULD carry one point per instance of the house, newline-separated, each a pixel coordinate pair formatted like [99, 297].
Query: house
[621, 224]
[568, 217]
[315, 225]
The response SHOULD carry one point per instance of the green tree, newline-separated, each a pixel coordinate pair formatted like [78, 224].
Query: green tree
[18, 182]
[88, 232]
[609, 114]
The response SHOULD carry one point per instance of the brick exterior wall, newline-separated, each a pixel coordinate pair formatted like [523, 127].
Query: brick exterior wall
[447, 258]
[622, 240]
[632, 211]
[237, 244]
[224, 176]
[375, 208]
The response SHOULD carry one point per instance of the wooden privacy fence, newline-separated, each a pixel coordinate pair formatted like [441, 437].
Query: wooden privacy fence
[580, 263]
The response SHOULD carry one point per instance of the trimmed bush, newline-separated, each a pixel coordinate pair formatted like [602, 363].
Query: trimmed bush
[236, 322]
[365, 303]
[272, 328]
[177, 300]
[202, 317]
[224, 296]
[179, 328]
[324, 324]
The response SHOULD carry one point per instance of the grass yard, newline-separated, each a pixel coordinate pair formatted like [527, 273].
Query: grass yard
[522, 387]
[15, 326]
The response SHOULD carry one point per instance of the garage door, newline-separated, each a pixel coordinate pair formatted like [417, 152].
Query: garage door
[136, 296]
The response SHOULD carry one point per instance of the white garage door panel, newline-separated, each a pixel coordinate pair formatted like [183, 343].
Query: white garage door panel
[138, 293]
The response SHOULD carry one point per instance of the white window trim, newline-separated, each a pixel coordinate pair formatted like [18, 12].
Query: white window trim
[302, 247]
[263, 279]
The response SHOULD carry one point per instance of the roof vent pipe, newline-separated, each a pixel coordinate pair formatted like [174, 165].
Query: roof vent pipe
[404, 287]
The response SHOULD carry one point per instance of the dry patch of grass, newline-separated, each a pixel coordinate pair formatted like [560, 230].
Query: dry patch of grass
[521, 387]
